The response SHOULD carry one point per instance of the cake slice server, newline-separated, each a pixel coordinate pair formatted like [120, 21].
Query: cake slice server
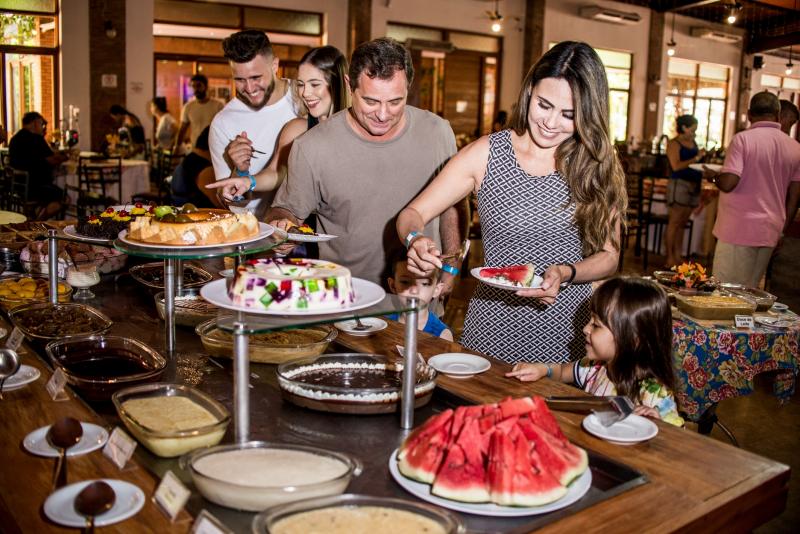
[608, 410]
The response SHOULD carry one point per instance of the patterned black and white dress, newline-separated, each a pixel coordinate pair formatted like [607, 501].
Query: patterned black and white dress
[526, 219]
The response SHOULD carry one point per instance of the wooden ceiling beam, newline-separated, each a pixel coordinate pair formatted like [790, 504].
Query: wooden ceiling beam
[762, 44]
[683, 6]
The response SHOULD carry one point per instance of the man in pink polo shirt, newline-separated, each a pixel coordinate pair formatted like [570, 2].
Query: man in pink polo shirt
[760, 185]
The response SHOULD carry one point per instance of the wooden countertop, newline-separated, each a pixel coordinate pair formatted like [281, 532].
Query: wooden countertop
[26, 480]
[695, 484]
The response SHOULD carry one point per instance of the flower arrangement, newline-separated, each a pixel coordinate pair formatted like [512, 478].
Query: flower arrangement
[689, 275]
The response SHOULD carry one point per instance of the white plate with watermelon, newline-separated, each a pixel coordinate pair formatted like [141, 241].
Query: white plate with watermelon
[509, 459]
[511, 277]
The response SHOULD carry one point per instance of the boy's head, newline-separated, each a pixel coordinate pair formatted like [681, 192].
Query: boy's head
[404, 282]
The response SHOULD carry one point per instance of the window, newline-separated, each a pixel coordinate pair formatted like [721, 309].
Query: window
[699, 89]
[28, 48]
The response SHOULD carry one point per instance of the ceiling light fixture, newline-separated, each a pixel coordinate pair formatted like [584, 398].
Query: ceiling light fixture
[672, 44]
[733, 12]
[790, 64]
[496, 18]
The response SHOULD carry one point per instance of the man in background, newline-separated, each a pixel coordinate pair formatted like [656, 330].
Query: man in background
[760, 190]
[198, 112]
[28, 151]
[249, 125]
[789, 116]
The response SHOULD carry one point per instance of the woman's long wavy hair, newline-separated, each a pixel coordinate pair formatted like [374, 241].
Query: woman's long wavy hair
[333, 65]
[587, 160]
[639, 316]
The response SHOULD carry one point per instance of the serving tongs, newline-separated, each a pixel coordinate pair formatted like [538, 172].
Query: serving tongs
[608, 410]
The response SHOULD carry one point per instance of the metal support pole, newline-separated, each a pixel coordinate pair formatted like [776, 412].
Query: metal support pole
[169, 306]
[241, 381]
[239, 258]
[52, 265]
[409, 367]
[178, 277]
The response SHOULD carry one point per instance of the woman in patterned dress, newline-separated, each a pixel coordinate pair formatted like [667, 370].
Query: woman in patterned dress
[550, 192]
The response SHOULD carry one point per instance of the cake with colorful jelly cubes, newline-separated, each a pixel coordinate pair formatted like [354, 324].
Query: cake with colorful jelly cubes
[292, 284]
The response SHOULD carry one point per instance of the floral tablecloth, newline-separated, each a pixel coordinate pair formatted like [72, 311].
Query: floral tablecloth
[715, 363]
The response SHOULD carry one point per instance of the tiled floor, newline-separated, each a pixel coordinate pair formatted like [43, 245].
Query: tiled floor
[759, 423]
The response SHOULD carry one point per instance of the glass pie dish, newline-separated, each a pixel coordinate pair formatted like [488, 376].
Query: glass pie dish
[358, 513]
[255, 475]
[43, 322]
[763, 300]
[97, 366]
[152, 275]
[351, 383]
[169, 428]
[271, 347]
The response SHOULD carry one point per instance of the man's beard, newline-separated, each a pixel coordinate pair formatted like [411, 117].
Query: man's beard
[267, 95]
[200, 95]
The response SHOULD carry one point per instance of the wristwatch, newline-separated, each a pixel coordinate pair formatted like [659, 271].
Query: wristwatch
[246, 174]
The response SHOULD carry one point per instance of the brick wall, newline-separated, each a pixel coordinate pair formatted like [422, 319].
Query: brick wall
[106, 56]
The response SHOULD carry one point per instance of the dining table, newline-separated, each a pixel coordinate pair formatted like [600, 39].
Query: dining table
[679, 480]
[135, 179]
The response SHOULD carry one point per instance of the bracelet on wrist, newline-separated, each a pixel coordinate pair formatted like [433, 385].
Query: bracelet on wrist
[410, 237]
[572, 273]
[549, 371]
[450, 269]
[246, 174]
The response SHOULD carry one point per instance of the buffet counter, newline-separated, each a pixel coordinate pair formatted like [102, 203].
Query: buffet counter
[686, 481]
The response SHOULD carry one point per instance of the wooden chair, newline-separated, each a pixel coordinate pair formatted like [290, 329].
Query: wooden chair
[16, 192]
[164, 164]
[639, 190]
[661, 220]
[99, 179]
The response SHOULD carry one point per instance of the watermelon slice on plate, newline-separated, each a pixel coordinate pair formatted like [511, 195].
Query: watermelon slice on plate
[512, 277]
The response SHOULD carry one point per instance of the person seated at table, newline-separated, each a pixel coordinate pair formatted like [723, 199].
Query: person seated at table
[192, 175]
[426, 289]
[28, 151]
[130, 130]
[166, 127]
[628, 350]
[685, 185]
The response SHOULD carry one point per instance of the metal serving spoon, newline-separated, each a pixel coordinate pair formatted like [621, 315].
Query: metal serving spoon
[93, 500]
[63, 434]
[9, 365]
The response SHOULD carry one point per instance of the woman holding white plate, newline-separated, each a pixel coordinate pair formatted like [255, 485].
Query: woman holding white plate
[550, 192]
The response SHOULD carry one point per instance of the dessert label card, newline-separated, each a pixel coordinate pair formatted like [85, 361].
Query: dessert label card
[55, 386]
[208, 524]
[744, 321]
[119, 448]
[171, 495]
[15, 339]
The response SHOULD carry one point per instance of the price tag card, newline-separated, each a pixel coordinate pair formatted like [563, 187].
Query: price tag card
[15, 339]
[55, 386]
[171, 495]
[208, 524]
[119, 448]
[744, 321]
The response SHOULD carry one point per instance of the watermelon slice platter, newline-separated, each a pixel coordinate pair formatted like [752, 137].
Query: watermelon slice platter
[505, 459]
[513, 277]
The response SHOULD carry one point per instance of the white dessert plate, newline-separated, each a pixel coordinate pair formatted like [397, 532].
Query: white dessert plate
[265, 230]
[60, 505]
[715, 167]
[459, 364]
[632, 429]
[575, 491]
[24, 376]
[93, 438]
[367, 294]
[307, 238]
[349, 326]
[476, 272]
[70, 231]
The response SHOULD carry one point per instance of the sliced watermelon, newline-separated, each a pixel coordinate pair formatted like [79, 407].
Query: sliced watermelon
[422, 461]
[462, 476]
[517, 275]
[519, 406]
[513, 479]
[542, 416]
[560, 458]
[431, 426]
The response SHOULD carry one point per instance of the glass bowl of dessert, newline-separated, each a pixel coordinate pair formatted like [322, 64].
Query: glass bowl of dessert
[152, 275]
[171, 419]
[24, 289]
[271, 347]
[351, 383]
[357, 513]
[42, 322]
[97, 366]
[83, 277]
[255, 475]
[190, 308]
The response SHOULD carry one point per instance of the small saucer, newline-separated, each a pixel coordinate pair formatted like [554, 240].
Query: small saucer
[24, 376]
[458, 364]
[374, 324]
[60, 505]
[94, 437]
[632, 429]
[780, 307]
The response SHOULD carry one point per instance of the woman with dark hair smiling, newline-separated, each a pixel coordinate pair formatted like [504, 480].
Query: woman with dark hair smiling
[550, 192]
